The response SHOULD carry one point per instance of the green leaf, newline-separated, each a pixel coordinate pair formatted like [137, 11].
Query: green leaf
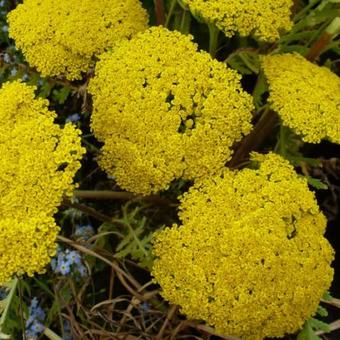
[327, 296]
[6, 322]
[307, 333]
[244, 61]
[322, 311]
[316, 183]
[61, 95]
[319, 325]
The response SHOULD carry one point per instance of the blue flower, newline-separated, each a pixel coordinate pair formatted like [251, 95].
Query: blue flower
[3, 293]
[67, 331]
[82, 270]
[7, 58]
[73, 257]
[84, 231]
[73, 118]
[64, 268]
[145, 306]
[68, 262]
[13, 72]
[34, 323]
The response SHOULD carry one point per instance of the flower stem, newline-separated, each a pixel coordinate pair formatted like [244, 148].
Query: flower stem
[119, 195]
[160, 13]
[326, 37]
[51, 335]
[255, 139]
[213, 39]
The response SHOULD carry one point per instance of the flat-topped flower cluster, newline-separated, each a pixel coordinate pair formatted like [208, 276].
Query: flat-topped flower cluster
[264, 19]
[250, 257]
[38, 160]
[163, 113]
[61, 38]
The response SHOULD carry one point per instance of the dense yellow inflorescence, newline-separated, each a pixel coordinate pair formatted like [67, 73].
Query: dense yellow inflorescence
[264, 19]
[165, 113]
[61, 37]
[250, 258]
[305, 95]
[26, 246]
[38, 162]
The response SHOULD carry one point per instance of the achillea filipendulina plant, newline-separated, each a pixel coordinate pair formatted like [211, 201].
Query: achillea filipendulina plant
[305, 95]
[264, 19]
[250, 257]
[26, 245]
[38, 158]
[38, 162]
[60, 38]
[164, 110]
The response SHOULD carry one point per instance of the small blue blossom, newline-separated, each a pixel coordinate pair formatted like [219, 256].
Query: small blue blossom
[54, 263]
[5, 28]
[2, 3]
[13, 72]
[25, 77]
[82, 270]
[34, 323]
[73, 257]
[68, 262]
[145, 306]
[3, 293]
[7, 58]
[64, 268]
[84, 231]
[75, 117]
[67, 331]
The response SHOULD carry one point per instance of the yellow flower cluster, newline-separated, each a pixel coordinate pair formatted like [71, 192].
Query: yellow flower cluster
[62, 37]
[26, 246]
[262, 18]
[305, 95]
[38, 162]
[165, 113]
[250, 257]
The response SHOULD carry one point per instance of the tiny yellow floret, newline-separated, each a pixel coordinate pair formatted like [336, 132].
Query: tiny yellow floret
[264, 19]
[305, 95]
[250, 258]
[164, 111]
[61, 38]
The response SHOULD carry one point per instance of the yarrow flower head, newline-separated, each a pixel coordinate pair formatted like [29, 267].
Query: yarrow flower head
[60, 38]
[264, 19]
[250, 257]
[38, 162]
[305, 95]
[38, 158]
[165, 113]
[26, 245]
[34, 323]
